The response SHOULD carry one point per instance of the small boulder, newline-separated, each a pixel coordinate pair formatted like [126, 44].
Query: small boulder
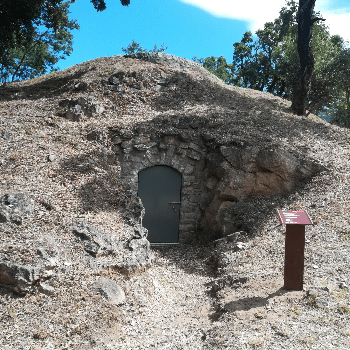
[14, 207]
[18, 277]
[110, 290]
[74, 113]
[46, 288]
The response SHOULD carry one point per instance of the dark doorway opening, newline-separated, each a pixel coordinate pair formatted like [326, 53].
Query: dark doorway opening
[159, 188]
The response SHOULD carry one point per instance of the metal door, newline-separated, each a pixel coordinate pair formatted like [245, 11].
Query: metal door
[159, 189]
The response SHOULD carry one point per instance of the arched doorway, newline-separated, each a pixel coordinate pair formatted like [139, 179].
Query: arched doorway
[159, 188]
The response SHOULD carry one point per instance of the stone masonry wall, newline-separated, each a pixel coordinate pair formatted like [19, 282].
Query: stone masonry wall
[139, 152]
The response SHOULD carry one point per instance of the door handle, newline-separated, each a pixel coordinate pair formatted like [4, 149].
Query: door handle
[174, 203]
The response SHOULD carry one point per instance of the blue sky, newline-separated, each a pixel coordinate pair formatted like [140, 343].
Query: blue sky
[189, 28]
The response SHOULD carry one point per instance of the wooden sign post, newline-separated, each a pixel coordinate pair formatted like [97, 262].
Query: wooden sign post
[294, 247]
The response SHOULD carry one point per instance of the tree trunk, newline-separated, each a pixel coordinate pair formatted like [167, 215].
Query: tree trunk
[302, 84]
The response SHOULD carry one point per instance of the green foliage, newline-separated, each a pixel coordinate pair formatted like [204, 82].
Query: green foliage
[34, 35]
[271, 63]
[100, 5]
[40, 51]
[338, 71]
[135, 47]
[217, 66]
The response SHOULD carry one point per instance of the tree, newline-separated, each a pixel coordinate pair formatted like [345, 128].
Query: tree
[18, 18]
[340, 68]
[302, 85]
[271, 63]
[100, 5]
[135, 47]
[20, 21]
[217, 66]
[40, 51]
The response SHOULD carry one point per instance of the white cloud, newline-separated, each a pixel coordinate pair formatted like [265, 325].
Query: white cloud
[258, 12]
[338, 24]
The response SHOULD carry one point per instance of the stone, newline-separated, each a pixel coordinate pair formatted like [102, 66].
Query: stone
[110, 290]
[140, 258]
[163, 146]
[82, 106]
[317, 291]
[14, 207]
[46, 288]
[171, 151]
[81, 86]
[180, 151]
[94, 240]
[213, 163]
[248, 158]
[200, 165]
[240, 246]
[111, 158]
[126, 145]
[211, 182]
[194, 124]
[185, 137]
[219, 217]
[140, 231]
[194, 155]
[234, 172]
[117, 149]
[90, 105]
[6, 135]
[141, 147]
[75, 113]
[237, 185]
[188, 170]
[206, 137]
[116, 140]
[318, 296]
[98, 135]
[343, 285]
[279, 162]
[134, 211]
[169, 140]
[232, 154]
[141, 250]
[195, 147]
[184, 123]
[51, 157]
[19, 278]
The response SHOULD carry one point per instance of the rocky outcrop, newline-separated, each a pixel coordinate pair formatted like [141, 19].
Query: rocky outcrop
[15, 207]
[137, 252]
[243, 172]
[215, 177]
[22, 278]
[132, 256]
[74, 110]
[94, 240]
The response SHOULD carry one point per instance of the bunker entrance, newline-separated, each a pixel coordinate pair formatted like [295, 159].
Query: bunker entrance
[159, 188]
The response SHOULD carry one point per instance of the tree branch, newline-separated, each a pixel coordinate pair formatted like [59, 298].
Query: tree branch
[317, 19]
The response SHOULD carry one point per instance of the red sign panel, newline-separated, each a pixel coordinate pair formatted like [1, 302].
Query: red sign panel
[294, 217]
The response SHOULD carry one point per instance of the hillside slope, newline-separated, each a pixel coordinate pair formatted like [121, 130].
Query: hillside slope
[181, 301]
